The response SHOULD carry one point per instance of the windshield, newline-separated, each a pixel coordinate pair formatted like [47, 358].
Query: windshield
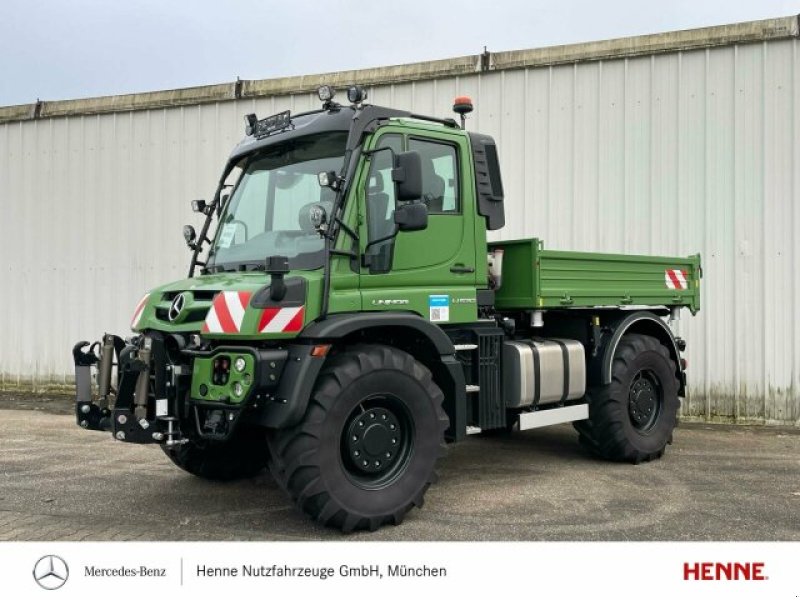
[268, 213]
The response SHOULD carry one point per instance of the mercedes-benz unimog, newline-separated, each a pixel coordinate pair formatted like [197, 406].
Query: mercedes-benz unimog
[347, 318]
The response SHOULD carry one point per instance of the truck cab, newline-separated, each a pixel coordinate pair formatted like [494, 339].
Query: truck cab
[347, 318]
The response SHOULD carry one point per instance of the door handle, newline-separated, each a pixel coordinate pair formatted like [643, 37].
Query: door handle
[461, 268]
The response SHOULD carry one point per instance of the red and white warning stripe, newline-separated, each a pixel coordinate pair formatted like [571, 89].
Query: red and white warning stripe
[675, 279]
[137, 313]
[226, 313]
[281, 320]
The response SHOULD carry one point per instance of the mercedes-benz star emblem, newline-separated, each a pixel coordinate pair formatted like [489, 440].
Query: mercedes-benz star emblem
[176, 308]
[51, 572]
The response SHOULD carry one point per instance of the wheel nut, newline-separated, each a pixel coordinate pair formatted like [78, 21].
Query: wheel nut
[120, 435]
[392, 426]
[122, 419]
[377, 463]
[371, 415]
[84, 424]
[356, 453]
[365, 463]
[355, 438]
[394, 440]
[383, 417]
[388, 455]
[361, 423]
[85, 409]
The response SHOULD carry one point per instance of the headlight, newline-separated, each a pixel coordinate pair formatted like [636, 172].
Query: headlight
[239, 364]
[238, 390]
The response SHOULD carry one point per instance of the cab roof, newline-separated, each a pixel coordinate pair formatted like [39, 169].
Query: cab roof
[336, 118]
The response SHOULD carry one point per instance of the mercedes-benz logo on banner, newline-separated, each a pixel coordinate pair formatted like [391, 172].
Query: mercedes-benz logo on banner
[51, 572]
[176, 308]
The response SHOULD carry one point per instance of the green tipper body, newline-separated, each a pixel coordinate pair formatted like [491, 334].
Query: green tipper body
[535, 278]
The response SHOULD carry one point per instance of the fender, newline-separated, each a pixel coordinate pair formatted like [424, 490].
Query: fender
[342, 324]
[641, 322]
[302, 369]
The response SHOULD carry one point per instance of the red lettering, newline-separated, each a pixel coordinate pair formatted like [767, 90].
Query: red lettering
[691, 571]
[732, 571]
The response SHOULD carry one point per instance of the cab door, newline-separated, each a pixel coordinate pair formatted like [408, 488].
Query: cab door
[430, 272]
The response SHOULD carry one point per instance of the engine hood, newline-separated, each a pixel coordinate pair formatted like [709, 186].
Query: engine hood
[231, 306]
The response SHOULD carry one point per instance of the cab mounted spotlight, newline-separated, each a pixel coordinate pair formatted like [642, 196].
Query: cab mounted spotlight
[326, 94]
[250, 123]
[356, 94]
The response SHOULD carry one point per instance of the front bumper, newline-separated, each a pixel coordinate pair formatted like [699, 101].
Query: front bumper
[157, 388]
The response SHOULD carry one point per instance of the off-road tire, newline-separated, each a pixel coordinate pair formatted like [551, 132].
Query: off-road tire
[312, 461]
[617, 429]
[244, 455]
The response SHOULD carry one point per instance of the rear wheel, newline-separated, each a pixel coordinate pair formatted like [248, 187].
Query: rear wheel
[632, 418]
[366, 450]
[243, 456]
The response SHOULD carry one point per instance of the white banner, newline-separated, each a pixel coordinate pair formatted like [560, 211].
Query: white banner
[85, 570]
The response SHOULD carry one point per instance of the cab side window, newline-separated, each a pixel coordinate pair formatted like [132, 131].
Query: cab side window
[439, 175]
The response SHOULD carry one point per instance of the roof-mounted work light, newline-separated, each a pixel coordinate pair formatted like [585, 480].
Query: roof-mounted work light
[326, 93]
[250, 123]
[356, 94]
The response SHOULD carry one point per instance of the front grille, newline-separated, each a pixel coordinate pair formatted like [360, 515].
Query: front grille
[195, 314]
[199, 296]
[196, 309]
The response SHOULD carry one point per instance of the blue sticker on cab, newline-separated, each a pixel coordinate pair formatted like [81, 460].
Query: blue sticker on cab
[439, 306]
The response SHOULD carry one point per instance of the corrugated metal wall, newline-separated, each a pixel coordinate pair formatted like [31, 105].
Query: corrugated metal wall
[670, 153]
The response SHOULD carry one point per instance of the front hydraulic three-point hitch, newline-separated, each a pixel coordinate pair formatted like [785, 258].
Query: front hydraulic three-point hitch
[135, 405]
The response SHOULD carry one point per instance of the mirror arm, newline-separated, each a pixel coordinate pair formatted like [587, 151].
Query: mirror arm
[383, 239]
[346, 229]
[347, 253]
[203, 236]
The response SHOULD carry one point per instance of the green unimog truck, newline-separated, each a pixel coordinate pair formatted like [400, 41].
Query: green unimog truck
[348, 318]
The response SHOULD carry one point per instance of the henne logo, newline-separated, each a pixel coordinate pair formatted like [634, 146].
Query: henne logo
[50, 572]
[731, 571]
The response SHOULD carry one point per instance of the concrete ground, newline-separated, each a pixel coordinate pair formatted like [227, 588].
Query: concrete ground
[58, 482]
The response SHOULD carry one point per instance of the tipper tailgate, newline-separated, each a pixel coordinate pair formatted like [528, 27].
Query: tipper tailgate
[537, 278]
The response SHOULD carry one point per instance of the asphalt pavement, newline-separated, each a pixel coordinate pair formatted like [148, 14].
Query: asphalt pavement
[58, 482]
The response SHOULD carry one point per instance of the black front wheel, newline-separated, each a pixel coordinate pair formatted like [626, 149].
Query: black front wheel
[632, 418]
[366, 450]
[244, 455]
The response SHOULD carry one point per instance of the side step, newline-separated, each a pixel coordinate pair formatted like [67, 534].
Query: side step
[553, 416]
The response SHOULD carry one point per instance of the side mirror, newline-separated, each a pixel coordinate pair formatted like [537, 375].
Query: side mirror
[199, 206]
[411, 217]
[190, 236]
[407, 176]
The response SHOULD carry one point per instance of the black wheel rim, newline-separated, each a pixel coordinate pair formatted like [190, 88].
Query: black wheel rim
[645, 400]
[377, 441]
